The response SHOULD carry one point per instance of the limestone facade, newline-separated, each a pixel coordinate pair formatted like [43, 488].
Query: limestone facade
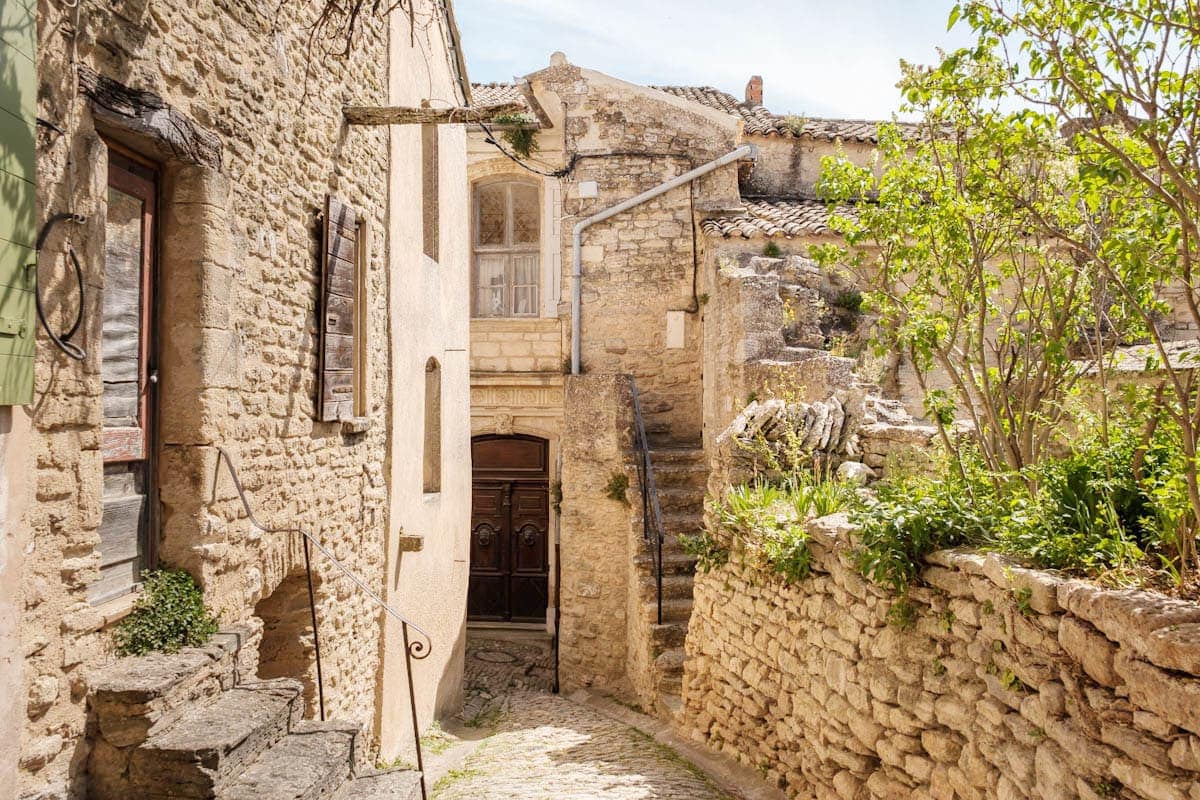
[1004, 682]
[242, 126]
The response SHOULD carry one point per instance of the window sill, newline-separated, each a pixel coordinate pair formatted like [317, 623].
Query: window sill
[356, 425]
[113, 611]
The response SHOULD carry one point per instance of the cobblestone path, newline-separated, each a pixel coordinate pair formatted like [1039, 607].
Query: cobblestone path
[539, 746]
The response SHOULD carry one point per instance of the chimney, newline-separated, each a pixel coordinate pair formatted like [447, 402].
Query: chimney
[754, 91]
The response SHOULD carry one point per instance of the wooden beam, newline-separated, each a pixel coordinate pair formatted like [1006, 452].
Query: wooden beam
[399, 115]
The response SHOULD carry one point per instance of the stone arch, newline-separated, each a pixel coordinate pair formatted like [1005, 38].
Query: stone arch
[287, 648]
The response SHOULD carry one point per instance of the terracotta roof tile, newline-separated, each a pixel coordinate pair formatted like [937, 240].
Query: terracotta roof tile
[767, 218]
[496, 94]
[762, 122]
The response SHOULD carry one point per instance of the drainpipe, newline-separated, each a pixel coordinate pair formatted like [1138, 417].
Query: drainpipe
[745, 151]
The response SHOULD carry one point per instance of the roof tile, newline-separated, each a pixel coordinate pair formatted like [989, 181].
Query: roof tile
[767, 218]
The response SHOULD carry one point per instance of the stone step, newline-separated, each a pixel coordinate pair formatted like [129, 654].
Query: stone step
[213, 742]
[668, 636]
[670, 705]
[676, 455]
[392, 784]
[675, 562]
[674, 586]
[135, 697]
[683, 475]
[670, 661]
[678, 609]
[677, 500]
[310, 763]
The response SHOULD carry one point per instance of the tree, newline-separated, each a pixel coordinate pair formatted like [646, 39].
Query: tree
[1049, 213]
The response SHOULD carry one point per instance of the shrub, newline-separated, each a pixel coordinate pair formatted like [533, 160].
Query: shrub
[709, 552]
[769, 519]
[169, 614]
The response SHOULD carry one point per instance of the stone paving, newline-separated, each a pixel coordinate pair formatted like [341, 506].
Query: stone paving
[540, 746]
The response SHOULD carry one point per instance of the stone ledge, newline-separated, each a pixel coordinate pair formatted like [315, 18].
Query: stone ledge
[410, 543]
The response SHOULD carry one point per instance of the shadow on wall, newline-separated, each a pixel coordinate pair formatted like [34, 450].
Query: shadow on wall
[287, 649]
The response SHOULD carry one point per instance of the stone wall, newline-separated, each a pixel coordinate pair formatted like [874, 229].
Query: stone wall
[1006, 683]
[597, 439]
[516, 345]
[239, 252]
[638, 267]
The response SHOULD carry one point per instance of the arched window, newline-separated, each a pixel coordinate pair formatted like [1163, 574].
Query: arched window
[507, 239]
[433, 427]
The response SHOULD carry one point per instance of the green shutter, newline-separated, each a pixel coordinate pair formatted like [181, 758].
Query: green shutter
[18, 227]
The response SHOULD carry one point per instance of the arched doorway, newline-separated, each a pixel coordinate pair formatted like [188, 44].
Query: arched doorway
[510, 523]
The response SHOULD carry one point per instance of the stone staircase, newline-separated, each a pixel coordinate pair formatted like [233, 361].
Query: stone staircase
[188, 725]
[681, 475]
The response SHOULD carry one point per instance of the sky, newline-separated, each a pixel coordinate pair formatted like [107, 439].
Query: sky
[817, 57]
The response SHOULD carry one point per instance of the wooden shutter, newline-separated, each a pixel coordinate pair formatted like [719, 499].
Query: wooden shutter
[339, 290]
[18, 227]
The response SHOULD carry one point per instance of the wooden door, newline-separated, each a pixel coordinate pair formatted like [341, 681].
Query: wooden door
[126, 353]
[510, 526]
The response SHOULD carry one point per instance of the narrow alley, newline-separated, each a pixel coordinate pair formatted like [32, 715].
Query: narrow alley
[516, 739]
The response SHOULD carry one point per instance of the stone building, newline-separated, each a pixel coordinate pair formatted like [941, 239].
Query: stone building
[257, 277]
[677, 312]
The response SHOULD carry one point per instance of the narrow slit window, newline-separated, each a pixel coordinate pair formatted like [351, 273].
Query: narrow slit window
[433, 427]
[430, 189]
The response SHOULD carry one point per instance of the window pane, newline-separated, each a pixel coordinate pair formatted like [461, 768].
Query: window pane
[525, 284]
[120, 337]
[491, 214]
[525, 301]
[525, 213]
[489, 286]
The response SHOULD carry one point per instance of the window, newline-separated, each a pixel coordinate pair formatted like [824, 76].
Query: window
[507, 239]
[429, 189]
[433, 427]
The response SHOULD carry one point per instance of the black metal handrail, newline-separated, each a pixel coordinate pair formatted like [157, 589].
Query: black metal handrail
[652, 524]
[417, 649]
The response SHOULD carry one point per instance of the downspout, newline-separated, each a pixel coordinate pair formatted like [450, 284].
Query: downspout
[745, 151]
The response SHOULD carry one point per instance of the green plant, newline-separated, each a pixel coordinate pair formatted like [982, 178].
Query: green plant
[771, 249]
[795, 123]
[946, 620]
[849, 299]
[908, 520]
[1021, 598]
[710, 554]
[902, 614]
[618, 485]
[518, 133]
[1010, 681]
[702, 299]
[167, 615]
[556, 496]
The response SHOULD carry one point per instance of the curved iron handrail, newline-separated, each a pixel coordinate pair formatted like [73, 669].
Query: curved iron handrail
[413, 649]
[653, 531]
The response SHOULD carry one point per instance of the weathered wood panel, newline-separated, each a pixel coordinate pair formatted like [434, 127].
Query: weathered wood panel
[339, 352]
[122, 331]
[123, 444]
[121, 527]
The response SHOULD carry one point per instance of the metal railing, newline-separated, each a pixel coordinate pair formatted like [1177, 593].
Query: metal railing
[413, 649]
[652, 524]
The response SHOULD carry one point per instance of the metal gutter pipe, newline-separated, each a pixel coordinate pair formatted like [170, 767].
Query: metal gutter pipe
[745, 151]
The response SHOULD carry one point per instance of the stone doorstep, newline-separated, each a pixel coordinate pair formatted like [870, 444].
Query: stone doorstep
[392, 784]
[131, 698]
[314, 760]
[210, 745]
[739, 781]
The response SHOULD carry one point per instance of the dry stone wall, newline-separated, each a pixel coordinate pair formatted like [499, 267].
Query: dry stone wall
[1006, 682]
